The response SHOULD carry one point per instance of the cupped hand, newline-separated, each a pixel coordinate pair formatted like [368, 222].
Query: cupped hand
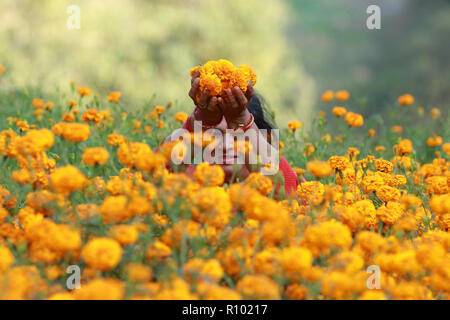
[209, 106]
[233, 104]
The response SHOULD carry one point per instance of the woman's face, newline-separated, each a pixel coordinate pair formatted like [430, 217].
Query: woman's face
[230, 165]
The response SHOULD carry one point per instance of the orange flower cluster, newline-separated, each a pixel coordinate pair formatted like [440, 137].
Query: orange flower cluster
[217, 76]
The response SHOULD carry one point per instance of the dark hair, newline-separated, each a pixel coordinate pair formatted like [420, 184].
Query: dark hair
[264, 118]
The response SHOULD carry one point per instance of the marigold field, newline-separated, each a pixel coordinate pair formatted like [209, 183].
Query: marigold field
[81, 184]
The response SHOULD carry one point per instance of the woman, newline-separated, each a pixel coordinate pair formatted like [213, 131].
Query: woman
[241, 114]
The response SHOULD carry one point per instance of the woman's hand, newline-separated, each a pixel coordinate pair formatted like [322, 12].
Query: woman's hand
[209, 106]
[234, 105]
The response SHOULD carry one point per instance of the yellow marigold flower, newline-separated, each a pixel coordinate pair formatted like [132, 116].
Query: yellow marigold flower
[114, 209]
[37, 103]
[68, 117]
[406, 99]
[320, 239]
[158, 250]
[409, 290]
[75, 132]
[339, 285]
[67, 179]
[295, 261]
[434, 141]
[151, 162]
[125, 234]
[128, 153]
[101, 289]
[339, 162]
[72, 103]
[212, 291]
[259, 182]
[327, 96]
[138, 272]
[296, 292]
[405, 146]
[209, 270]
[342, 95]
[217, 76]
[347, 261]
[437, 185]
[294, 125]
[92, 156]
[397, 129]
[399, 180]
[372, 295]
[446, 148]
[209, 175]
[370, 241]
[115, 139]
[23, 125]
[114, 96]
[354, 119]
[102, 253]
[387, 193]
[92, 115]
[6, 258]
[258, 287]
[2, 69]
[83, 91]
[384, 165]
[391, 212]
[212, 205]
[319, 169]
[440, 204]
[159, 109]
[339, 111]
[311, 191]
[181, 117]
[435, 113]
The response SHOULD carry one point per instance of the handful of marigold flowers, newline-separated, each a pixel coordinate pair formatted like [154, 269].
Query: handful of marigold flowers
[218, 76]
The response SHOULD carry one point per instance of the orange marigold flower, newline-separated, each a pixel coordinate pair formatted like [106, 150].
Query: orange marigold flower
[354, 119]
[397, 129]
[434, 141]
[435, 113]
[371, 132]
[83, 91]
[446, 148]
[405, 146]
[327, 96]
[114, 96]
[67, 179]
[97, 155]
[102, 253]
[406, 99]
[116, 139]
[384, 165]
[181, 117]
[217, 76]
[339, 162]
[342, 95]
[37, 103]
[319, 169]
[294, 125]
[339, 111]
[209, 175]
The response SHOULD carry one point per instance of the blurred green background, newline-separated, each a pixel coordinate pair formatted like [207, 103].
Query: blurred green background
[298, 48]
